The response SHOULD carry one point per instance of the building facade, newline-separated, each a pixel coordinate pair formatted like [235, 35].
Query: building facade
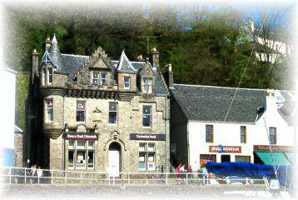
[256, 127]
[99, 114]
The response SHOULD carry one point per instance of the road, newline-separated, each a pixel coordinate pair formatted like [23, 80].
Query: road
[92, 192]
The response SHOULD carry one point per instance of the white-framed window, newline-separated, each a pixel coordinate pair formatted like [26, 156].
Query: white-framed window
[81, 154]
[243, 134]
[272, 135]
[95, 77]
[81, 111]
[209, 133]
[99, 77]
[104, 78]
[50, 75]
[147, 85]
[43, 76]
[113, 107]
[147, 116]
[49, 110]
[147, 156]
[126, 82]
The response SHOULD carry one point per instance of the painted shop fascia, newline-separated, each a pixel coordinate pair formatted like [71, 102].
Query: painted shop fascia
[98, 114]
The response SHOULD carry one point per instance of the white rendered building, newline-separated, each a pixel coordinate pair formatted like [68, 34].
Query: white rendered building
[256, 128]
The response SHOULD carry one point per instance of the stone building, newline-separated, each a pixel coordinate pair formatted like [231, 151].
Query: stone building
[93, 113]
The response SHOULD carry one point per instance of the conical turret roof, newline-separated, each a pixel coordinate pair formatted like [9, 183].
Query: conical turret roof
[55, 53]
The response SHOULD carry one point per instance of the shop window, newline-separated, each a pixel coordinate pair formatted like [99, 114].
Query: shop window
[272, 135]
[146, 116]
[80, 154]
[81, 111]
[242, 158]
[126, 82]
[147, 85]
[49, 110]
[112, 112]
[209, 133]
[205, 158]
[50, 75]
[243, 134]
[147, 156]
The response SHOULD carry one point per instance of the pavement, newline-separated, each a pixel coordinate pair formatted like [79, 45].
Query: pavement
[91, 192]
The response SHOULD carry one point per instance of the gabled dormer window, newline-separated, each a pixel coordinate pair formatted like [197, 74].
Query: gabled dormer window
[104, 78]
[99, 77]
[95, 78]
[147, 85]
[126, 82]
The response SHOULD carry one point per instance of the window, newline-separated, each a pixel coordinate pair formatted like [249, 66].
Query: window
[242, 158]
[49, 110]
[112, 112]
[147, 156]
[43, 78]
[209, 133]
[126, 82]
[50, 75]
[99, 77]
[272, 135]
[104, 78]
[95, 77]
[81, 111]
[80, 154]
[146, 116]
[243, 134]
[147, 85]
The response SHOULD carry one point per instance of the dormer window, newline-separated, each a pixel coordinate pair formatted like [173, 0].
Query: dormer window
[99, 78]
[104, 78]
[147, 85]
[50, 75]
[95, 79]
[126, 82]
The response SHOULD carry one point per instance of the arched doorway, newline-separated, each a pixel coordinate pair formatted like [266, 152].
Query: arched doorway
[114, 159]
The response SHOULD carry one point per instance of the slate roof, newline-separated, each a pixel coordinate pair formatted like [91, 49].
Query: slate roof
[124, 65]
[208, 103]
[72, 63]
[69, 64]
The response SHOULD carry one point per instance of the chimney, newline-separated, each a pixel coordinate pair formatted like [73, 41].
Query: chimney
[48, 44]
[155, 58]
[140, 58]
[34, 69]
[168, 76]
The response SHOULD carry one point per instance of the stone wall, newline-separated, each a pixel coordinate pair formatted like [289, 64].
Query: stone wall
[129, 120]
[19, 150]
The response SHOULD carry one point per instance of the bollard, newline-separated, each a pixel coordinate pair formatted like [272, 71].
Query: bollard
[166, 178]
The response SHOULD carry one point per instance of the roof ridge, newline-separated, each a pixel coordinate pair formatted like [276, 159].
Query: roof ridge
[74, 55]
[223, 87]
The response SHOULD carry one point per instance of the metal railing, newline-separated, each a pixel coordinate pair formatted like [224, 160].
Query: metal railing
[15, 175]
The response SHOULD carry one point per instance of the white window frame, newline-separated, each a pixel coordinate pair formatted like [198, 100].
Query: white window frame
[101, 78]
[86, 149]
[146, 152]
[85, 111]
[98, 79]
[150, 115]
[129, 82]
[50, 75]
[46, 110]
[149, 83]
[116, 103]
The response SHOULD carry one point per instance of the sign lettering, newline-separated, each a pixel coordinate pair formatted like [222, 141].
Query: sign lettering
[225, 149]
[154, 137]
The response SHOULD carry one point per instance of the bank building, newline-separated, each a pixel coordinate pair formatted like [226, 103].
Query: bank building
[96, 114]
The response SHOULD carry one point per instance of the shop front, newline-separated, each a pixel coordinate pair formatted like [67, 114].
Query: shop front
[80, 151]
[273, 155]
